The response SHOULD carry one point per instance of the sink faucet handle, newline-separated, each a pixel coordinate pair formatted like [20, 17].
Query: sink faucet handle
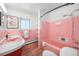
[6, 35]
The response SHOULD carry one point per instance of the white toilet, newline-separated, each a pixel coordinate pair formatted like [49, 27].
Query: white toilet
[48, 53]
[68, 51]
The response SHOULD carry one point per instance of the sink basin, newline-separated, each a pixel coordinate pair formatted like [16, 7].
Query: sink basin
[11, 47]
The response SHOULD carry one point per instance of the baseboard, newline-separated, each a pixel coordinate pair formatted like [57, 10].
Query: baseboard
[31, 41]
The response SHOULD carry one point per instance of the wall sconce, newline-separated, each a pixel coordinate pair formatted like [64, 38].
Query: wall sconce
[58, 23]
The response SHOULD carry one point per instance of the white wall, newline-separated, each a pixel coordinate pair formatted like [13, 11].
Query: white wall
[33, 19]
[58, 14]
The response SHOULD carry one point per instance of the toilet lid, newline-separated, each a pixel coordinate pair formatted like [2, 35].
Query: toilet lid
[48, 53]
[68, 51]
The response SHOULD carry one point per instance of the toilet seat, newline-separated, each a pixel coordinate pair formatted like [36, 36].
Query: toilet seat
[48, 53]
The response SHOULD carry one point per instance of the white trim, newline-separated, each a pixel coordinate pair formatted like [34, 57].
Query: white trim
[38, 28]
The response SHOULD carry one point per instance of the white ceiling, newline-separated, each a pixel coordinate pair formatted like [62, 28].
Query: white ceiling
[32, 8]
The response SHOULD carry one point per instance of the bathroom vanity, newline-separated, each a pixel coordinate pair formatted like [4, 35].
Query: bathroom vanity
[11, 45]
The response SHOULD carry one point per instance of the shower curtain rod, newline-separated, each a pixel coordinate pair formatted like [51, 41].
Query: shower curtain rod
[57, 8]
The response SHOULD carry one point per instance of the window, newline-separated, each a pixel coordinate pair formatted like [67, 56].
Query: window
[24, 24]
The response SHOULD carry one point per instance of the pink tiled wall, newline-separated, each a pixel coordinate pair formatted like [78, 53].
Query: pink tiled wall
[44, 32]
[76, 29]
[4, 32]
[64, 29]
[50, 32]
[33, 33]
